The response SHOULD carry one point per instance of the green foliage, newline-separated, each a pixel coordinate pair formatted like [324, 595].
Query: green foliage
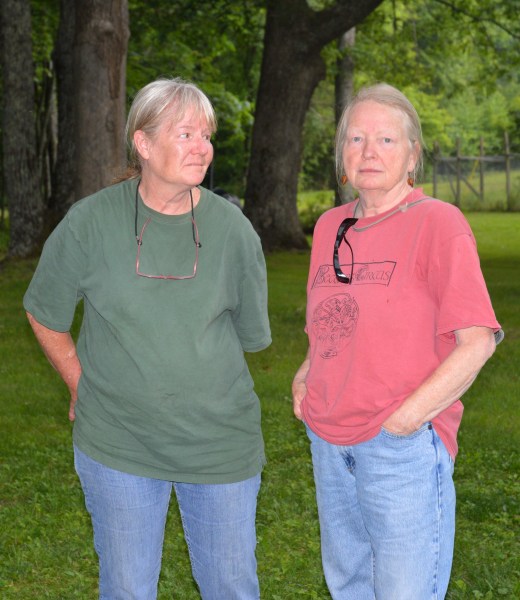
[457, 61]
[231, 142]
[46, 544]
[45, 17]
[457, 66]
[318, 171]
[480, 117]
[217, 45]
[311, 205]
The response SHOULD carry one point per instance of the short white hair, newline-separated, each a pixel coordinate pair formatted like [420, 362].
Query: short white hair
[382, 93]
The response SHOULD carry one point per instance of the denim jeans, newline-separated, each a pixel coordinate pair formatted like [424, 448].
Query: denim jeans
[129, 515]
[387, 516]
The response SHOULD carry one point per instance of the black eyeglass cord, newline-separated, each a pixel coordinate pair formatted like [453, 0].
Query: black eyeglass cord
[140, 241]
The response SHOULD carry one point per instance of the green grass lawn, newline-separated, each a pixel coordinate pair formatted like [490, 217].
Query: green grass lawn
[46, 549]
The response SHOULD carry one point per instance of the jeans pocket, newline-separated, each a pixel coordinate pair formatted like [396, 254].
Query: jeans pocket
[425, 427]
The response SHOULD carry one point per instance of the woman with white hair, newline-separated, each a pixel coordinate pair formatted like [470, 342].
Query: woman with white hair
[399, 322]
[173, 284]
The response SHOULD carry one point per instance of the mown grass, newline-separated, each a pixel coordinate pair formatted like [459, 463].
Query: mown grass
[46, 547]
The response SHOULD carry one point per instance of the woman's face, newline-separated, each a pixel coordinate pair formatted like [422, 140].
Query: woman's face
[180, 153]
[377, 153]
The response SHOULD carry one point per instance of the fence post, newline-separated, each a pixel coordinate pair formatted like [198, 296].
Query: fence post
[508, 171]
[481, 169]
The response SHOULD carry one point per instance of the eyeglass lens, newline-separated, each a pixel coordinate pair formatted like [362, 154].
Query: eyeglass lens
[345, 225]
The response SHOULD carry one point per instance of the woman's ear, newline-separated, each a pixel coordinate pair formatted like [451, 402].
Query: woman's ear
[142, 143]
[414, 158]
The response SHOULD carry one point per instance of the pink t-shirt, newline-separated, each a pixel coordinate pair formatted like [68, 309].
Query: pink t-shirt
[416, 279]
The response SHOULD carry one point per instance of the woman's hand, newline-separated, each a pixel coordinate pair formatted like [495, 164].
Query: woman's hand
[72, 404]
[299, 387]
[399, 423]
[60, 350]
[447, 383]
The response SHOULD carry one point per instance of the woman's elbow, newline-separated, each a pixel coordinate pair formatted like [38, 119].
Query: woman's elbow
[480, 341]
[490, 346]
[487, 345]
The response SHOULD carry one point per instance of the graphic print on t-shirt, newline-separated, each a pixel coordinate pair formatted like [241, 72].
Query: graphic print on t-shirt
[379, 273]
[334, 322]
[335, 318]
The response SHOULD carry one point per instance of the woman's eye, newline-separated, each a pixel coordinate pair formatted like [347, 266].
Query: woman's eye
[387, 140]
[356, 139]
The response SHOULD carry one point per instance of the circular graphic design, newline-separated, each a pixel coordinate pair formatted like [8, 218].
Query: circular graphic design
[334, 321]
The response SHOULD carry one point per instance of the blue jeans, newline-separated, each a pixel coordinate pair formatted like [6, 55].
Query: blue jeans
[387, 516]
[129, 515]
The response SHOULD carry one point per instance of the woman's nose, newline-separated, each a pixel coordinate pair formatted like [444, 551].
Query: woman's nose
[201, 146]
[368, 149]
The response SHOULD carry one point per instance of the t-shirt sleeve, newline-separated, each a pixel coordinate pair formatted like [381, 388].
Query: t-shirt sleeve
[458, 284]
[54, 291]
[251, 317]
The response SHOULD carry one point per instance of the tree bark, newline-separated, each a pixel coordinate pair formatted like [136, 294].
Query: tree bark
[291, 69]
[344, 91]
[91, 65]
[344, 83]
[63, 177]
[100, 67]
[20, 153]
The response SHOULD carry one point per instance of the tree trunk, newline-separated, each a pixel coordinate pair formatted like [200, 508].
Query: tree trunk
[100, 66]
[344, 91]
[291, 69]
[63, 178]
[20, 153]
[344, 83]
[282, 103]
[91, 64]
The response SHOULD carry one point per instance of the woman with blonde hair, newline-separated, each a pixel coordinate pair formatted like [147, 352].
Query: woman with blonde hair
[173, 284]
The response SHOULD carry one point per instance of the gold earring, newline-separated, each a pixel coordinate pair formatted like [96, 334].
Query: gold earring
[410, 181]
[344, 180]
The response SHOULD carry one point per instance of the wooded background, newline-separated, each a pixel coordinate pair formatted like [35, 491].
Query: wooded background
[277, 71]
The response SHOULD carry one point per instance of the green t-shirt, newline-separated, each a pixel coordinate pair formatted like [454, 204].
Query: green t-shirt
[165, 391]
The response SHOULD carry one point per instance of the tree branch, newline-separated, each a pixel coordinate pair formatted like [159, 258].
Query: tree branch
[479, 18]
[333, 21]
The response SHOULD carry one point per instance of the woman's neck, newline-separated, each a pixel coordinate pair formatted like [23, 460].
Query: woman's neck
[375, 202]
[169, 200]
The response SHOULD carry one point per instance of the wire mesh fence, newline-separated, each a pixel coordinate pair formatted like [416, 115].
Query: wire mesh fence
[479, 182]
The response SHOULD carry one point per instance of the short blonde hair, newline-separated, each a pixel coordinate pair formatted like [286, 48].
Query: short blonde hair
[382, 93]
[160, 99]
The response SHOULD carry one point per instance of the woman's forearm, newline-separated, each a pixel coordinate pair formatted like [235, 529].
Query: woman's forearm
[60, 350]
[448, 382]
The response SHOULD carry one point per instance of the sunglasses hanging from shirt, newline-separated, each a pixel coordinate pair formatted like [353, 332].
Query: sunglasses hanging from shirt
[349, 222]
